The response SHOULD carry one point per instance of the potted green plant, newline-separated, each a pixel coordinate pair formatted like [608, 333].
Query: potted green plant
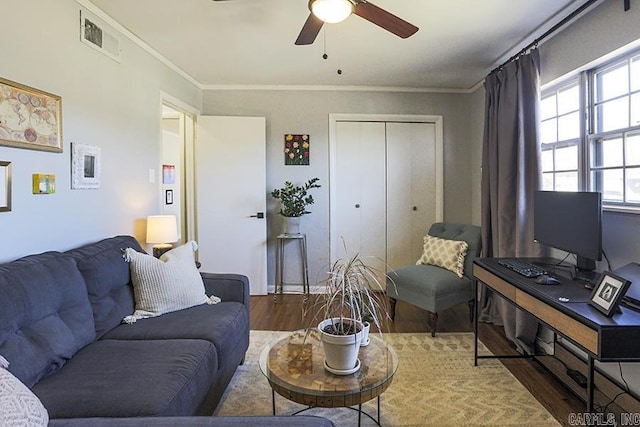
[293, 202]
[353, 293]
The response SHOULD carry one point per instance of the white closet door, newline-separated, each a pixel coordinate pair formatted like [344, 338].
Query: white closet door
[231, 183]
[411, 189]
[360, 190]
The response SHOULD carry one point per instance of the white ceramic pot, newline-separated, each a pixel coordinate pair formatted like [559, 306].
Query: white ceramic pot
[341, 351]
[291, 225]
[365, 337]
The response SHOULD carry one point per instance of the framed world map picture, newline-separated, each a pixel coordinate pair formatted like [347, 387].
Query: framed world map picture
[30, 118]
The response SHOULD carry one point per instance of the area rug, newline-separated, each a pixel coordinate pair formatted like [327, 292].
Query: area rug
[436, 385]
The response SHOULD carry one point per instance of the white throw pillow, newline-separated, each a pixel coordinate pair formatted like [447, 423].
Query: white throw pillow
[167, 284]
[18, 405]
[449, 254]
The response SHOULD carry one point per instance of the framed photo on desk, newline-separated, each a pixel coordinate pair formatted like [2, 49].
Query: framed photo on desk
[608, 293]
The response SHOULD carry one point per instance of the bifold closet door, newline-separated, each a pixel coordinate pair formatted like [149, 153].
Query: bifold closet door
[411, 189]
[360, 187]
[385, 190]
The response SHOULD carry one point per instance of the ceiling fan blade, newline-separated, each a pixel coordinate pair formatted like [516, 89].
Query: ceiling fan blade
[384, 19]
[310, 30]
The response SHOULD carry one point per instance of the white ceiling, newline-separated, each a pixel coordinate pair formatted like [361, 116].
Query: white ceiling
[251, 42]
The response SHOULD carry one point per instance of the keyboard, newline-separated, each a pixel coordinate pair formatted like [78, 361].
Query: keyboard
[522, 267]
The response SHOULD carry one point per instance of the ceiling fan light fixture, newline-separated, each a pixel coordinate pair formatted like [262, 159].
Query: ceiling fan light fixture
[331, 11]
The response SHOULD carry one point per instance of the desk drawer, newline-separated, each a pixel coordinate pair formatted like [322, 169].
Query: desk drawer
[494, 282]
[571, 328]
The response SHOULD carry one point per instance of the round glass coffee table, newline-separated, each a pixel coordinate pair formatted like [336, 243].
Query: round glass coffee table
[294, 367]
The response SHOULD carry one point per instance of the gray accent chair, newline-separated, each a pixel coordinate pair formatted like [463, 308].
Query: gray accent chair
[433, 288]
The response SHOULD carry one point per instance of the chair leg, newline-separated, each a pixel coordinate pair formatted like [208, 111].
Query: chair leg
[392, 307]
[472, 310]
[433, 322]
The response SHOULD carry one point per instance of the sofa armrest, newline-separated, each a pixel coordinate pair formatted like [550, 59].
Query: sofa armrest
[228, 287]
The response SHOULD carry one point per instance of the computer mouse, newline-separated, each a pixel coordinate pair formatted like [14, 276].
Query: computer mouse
[547, 280]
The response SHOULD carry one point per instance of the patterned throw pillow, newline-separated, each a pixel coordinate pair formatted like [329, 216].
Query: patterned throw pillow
[18, 405]
[167, 284]
[444, 253]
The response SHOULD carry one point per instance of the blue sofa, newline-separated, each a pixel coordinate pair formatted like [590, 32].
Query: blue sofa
[61, 331]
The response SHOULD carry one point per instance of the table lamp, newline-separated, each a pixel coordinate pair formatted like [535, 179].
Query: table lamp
[162, 231]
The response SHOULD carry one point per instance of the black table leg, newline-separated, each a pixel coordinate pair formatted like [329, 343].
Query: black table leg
[273, 401]
[590, 380]
[475, 323]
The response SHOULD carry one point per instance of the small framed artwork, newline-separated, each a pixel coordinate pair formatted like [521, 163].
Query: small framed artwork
[168, 174]
[608, 293]
[5, 186]
[296, 149]
[44, 183]
[168, 197]
[85, 166]
[30, 118]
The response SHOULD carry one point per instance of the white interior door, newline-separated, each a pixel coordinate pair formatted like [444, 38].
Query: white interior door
[411, 190]
[231, 197]
[359, 186]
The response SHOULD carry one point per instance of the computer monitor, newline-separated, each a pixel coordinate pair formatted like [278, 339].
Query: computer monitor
[572, 222]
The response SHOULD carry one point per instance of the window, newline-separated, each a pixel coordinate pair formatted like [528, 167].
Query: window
[560, 137]
[592, 142]
[614, 143]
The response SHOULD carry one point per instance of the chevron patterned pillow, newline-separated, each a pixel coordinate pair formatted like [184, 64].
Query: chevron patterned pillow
[167, 284]
[444, 253]
[18, 405]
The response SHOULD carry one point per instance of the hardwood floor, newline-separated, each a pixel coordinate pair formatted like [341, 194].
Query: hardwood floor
[286, 315]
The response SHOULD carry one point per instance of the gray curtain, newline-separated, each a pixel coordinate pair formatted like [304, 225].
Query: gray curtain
[510, 176]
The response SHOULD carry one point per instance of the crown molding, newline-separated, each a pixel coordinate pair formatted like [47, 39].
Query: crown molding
[320, 88]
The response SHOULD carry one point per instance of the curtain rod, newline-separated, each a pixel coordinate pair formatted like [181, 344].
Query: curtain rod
[552, 30]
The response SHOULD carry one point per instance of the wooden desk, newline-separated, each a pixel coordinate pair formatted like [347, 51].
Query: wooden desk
[606, 339]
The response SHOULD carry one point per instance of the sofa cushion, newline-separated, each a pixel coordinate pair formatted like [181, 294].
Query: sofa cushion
[45, 317]
[118, 378]
[167, 284]
[445, 253]
[18, 405]
[108, 281]
[469, 233]
[226, 325]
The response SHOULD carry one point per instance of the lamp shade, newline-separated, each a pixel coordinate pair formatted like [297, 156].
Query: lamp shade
[162, 229]
[331, 11]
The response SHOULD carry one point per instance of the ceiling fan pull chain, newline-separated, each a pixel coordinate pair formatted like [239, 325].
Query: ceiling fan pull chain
[324, 35]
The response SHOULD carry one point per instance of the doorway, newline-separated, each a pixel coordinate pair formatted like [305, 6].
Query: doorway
[176, 183]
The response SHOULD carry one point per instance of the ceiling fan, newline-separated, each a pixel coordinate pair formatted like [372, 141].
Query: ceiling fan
[333, 11]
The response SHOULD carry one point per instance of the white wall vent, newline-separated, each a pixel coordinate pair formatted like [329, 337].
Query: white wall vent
[99, 36]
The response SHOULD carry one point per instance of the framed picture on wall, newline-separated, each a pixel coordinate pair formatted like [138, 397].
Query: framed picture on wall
[85, 166]
[5, 186]
[30, 118]
[296, 149]
[168, 174]
[606, 296]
